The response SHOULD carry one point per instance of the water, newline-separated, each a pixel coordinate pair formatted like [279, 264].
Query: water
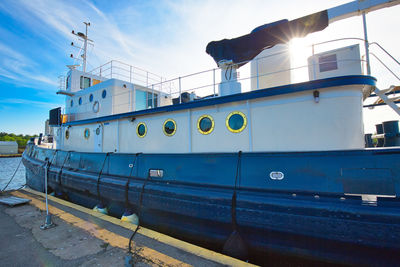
[7, 169]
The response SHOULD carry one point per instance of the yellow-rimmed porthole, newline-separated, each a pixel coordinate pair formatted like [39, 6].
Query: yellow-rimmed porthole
[205, 124]
[236, 122]
[67, 134]
[169, 127]
[141, 129]
[86, 133]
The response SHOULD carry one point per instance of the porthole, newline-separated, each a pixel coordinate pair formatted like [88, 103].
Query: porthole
[141, 130]
[67, 134]
[236, 122]
[96, 106]
[86, 133]
[169, 127]
[80, 101]
[72, 103]
[104, 94]
[91, 98]
[205, 124]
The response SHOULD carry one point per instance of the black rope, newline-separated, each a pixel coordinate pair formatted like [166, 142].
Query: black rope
[139, 212]
[98, 177]
[129, 180]
[62, 167]
[47, 167]
[234, 195]
[12, 177]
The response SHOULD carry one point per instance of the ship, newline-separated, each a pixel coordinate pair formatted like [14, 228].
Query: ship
[282, 168]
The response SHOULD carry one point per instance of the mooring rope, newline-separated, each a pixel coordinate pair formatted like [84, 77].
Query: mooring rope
[139, 213]
[12, 177]
[129, 180]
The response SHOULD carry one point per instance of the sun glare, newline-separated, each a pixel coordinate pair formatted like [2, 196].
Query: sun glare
[299, 52]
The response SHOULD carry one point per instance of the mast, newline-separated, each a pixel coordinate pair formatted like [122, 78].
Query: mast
[85, 46]
[83, 37]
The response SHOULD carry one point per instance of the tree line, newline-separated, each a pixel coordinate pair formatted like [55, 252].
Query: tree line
[20, 138]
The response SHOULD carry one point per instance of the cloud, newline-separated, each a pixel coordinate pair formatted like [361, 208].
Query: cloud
[21, 101]
[20, 69]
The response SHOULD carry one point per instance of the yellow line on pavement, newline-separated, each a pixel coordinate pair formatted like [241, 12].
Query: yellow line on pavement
[193, 249]
[105, 235]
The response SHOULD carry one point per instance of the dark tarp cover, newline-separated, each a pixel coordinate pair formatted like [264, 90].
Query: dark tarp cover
[246, 47]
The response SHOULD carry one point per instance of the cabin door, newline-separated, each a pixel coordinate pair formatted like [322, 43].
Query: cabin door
[98, 139]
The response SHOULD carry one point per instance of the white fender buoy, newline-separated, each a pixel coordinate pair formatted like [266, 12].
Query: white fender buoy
[130, 218]
[100, 208]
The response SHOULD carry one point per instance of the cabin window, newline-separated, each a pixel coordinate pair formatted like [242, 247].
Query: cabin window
[141, 130]
[91, 98]
[150, 100]
[86, 133]
[169, 127]
[104, 94]
[85, 82]
[205, 124]
[327, 63]
[72, 103]
[67, 134]
[236, 122]
[140, 100]
[80, 101]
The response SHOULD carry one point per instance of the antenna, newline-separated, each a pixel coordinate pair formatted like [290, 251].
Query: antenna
[83, 37]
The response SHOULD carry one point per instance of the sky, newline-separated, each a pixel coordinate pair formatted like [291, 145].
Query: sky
[165, 37]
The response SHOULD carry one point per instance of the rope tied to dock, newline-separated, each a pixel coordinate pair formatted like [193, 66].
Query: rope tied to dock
[128, 260]
[12, 177]
[100, 173]
[235, 246]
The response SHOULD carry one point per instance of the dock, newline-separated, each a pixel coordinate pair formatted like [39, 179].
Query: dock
[87, 238]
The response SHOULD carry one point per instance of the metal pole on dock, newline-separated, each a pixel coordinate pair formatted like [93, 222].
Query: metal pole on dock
[48, 222]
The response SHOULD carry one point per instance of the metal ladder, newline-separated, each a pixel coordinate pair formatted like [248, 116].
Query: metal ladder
[384, 96]
[387, 96]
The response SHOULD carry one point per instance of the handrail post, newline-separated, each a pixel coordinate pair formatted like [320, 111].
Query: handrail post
[111, 69]
[258, 79]
[130, 74]
[214, 81]
[180, 90]
[152, 97]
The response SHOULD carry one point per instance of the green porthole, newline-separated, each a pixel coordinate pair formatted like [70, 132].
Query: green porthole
[86, 133]
[169, 127]
[205, 124]
[67, 134]
[236, 122]
[141, 130]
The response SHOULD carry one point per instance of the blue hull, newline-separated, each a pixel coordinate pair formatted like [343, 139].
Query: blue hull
[315, 211]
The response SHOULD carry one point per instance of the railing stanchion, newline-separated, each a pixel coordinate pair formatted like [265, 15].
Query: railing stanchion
[258, 76]
[111, 69]
[130, 74]
[214, 81]
[152, 97]
[180, 90]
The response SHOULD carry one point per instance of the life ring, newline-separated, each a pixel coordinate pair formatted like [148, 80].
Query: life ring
[96, 106]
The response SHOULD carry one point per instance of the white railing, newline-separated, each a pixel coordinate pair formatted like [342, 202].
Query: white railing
[122, 71]
[204, 84]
